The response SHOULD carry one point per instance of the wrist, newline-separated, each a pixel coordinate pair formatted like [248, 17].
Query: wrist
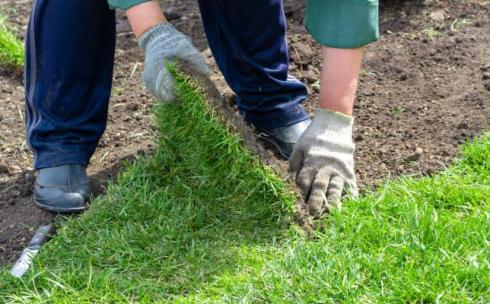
[159, 31]
[337, 116]
[144, 16]
[334, 123]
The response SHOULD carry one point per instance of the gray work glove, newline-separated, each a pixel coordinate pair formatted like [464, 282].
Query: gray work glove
[163, 43]
[323, 160]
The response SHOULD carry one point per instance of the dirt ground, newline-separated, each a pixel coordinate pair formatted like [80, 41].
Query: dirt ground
[425, 89]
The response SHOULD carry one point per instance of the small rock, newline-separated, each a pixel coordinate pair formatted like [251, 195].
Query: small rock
[316, 87]
[486, 75]
[366, 92]
[358, 137]
[311, 76]
[412, 158]
[305, 53]
[463, 125]
[416, 155]
[172, 14]
[437, 16]
[487, 86]
[15, 169]
[485, 67]
[3, 168]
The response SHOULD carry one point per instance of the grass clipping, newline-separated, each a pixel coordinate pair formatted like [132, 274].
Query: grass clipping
[11, 49]
[202, 221]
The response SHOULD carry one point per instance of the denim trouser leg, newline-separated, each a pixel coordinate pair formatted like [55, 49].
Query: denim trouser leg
[68, 78]
[247, 38]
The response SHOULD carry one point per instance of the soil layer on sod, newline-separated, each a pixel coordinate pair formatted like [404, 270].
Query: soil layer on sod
[202, 221]
[423, 87]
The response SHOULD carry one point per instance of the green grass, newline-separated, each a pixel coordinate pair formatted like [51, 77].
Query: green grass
[11, 49]
[203, 222]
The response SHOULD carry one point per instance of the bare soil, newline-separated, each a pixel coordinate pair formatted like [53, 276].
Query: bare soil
[425, 89]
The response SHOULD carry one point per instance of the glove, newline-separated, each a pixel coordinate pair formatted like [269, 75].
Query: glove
[164, 43]
[323, 160]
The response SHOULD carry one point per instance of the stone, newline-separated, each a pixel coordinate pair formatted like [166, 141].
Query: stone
[437, 16]
[3, 169]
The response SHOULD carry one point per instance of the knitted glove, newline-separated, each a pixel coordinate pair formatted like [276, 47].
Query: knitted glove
[323, 160]
[163, 43]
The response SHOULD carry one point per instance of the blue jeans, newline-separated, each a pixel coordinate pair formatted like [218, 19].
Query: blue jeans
[69, 62]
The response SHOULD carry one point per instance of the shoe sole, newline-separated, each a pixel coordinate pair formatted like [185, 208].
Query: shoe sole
[58, 210]
[264, 136]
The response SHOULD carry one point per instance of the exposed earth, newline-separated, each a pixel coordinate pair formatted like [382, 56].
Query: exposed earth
[425, 89]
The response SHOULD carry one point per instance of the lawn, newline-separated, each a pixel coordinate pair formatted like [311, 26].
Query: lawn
[11, 48]
[202, 221]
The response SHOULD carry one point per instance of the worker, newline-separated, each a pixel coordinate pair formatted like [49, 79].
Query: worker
[69, 64]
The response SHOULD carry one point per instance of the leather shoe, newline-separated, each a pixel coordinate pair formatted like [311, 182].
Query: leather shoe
[62, 189]
[285, 138]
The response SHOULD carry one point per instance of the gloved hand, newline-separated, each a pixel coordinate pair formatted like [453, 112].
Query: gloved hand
[323, 160]
[163, 43]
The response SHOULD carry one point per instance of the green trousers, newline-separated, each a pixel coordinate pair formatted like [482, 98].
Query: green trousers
[335, 23]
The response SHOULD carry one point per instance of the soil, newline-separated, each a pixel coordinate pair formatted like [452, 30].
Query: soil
[424, 90]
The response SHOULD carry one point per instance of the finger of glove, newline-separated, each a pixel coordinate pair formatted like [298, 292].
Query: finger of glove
[196, 61]
[304, 180]
[318, 198]
[296, 160]
[159, 83]
[334, 192]
[165, 87]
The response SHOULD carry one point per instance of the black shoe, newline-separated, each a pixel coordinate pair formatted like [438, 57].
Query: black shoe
[63, 189]
[284, 138]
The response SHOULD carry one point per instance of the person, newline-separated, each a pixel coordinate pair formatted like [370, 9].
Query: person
[69, 63]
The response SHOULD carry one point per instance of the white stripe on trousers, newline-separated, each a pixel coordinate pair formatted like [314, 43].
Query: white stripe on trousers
[35, 120]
